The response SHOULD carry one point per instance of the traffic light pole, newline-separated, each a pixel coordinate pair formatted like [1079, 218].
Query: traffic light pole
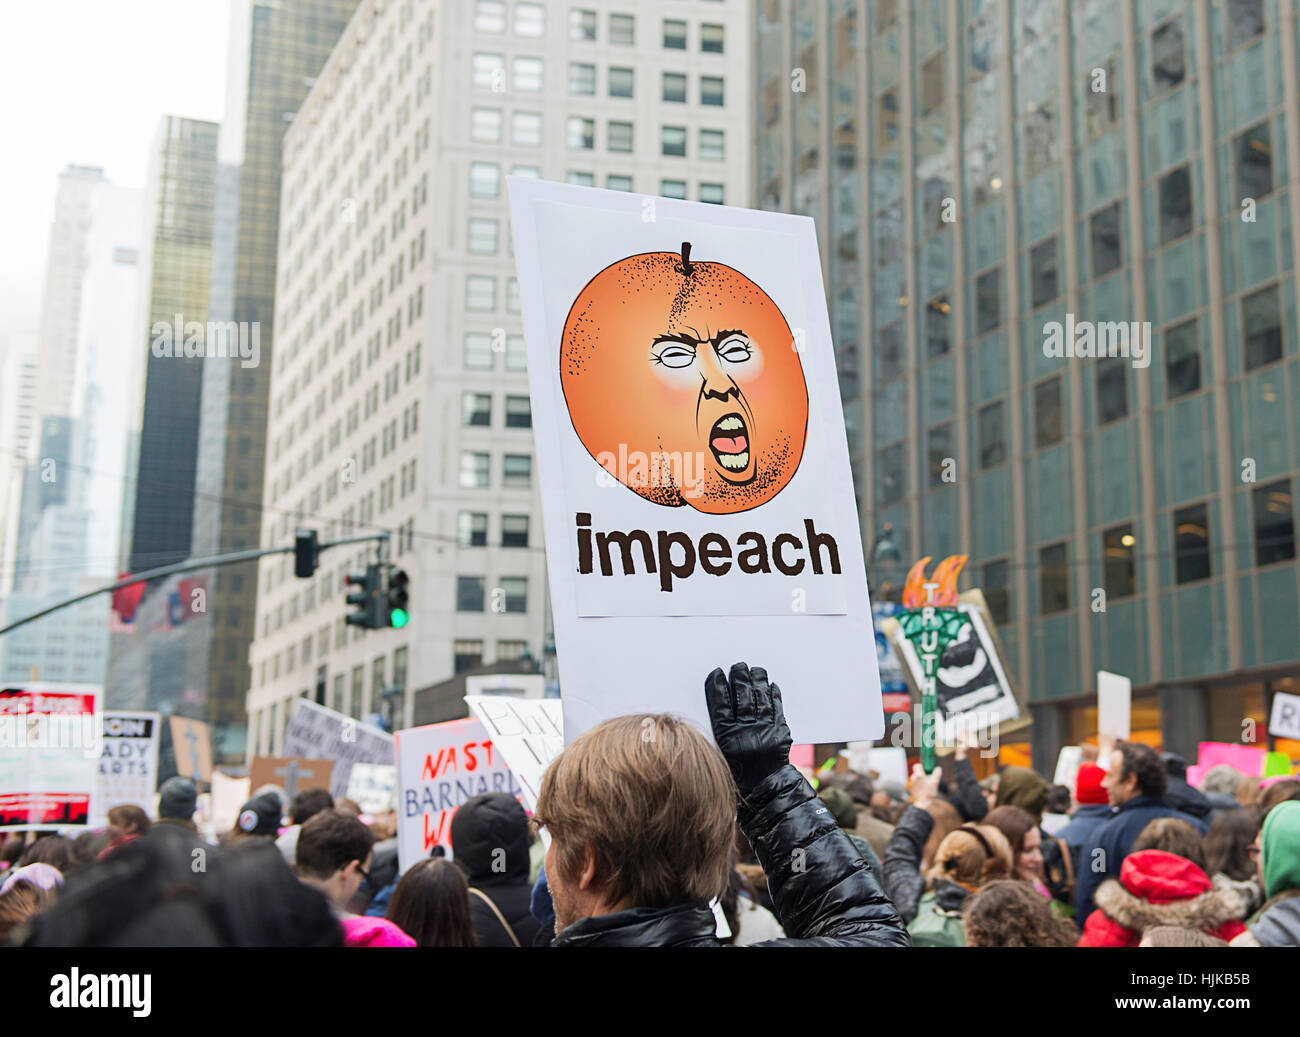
[189, 566]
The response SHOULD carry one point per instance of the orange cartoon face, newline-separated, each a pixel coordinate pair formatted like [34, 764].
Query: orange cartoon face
[682, 381]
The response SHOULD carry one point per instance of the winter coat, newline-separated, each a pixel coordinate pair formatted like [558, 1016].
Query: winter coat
[480, 828]
[969, 797]
[1084, 822]
[1278, 925]
[876, 832]
[938, 921]
[1182, 797]
[825, 896]
[902, 865]
[1159, 888]
[1113, 838]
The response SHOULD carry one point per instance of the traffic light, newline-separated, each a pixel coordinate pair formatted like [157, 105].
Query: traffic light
[398, 596]
[306, 552]
[364, 595]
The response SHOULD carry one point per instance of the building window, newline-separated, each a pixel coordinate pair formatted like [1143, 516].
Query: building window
[712, 145]
[489, 71]
[620, 81]
[530, 19]
[358, 703]
[1254, 162]
[1274, 523]
[711, 91]
[1261, 327]
[490, 15]
[674, 88]
[476, 409]
[1101, 106]
[512, 295]
[474, 469]
[1119, 560]
[484, 179]
[1182, 360]
[938, 321]
[992, 435]
[1049, 419]
[516, 354]
[619, 136]
[711, 39]
[519, 412]
[511, 650]
[1053, 579]
[582, 78]
[1245, 21]
[580, 178]
[997, 594]
[485, 125]
[988, 300]
[1043, 272]
[931, 85]
[470, 593]
[618, 182]
[472, 529]
[468, 655]
[480, 293]
[582, 24]
[674, 34]
[939, 448]
[526, 74]
[377, 681]
[517, 471]
[516, 593]
[514, 530]
[1168, 64]
[478, 351]
[1112, 389]
[622, 29]
[1192, 543]
[483, 237]
[673, 140]
[526, 128]
[890, 485]
[581, 133]
[527, 172]
[672, 188]
[1104, 233]
[1175, 204]
[714, 194]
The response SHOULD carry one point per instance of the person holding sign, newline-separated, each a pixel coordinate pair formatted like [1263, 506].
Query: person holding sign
[641, 811]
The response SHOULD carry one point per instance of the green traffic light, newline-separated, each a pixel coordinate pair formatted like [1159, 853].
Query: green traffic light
[398, 618]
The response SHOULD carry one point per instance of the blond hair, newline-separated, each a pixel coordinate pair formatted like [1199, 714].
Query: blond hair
[971, 856]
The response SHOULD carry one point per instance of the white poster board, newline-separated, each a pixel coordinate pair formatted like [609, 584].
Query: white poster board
[324, 734]
[529, 734]
[373, 787]
[692, 459]
[888, 761]
[1284, 718]
[439, 767]
[128, 764]
[228, 795]
[50, 744]
[1114, 704]
[1067, 766]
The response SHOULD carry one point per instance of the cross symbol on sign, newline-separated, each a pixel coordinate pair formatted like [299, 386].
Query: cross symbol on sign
[292, 771]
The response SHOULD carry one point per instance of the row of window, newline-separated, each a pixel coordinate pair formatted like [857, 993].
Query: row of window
[472, 530]
[485, 182]
[714, 194]
[510, 594]
[468, 653]
[476, 411]
[476, 467]
[620, 82]
[580, 135]
[622, 31]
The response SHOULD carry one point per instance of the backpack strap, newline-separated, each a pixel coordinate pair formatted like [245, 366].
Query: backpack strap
[497, 912]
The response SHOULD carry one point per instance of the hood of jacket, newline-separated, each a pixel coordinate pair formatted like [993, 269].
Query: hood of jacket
[1181, 796]
[1159, 888]
[1278, 925]
[485, 825]
[1280, 844]
[686, 925]
[1021, 787]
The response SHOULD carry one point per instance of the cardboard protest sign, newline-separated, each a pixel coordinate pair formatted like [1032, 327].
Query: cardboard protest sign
[1114, 704]
[192, 747]
[439, 767]
[228, 795]
[128, 764]
[373, 787]
[516, 685]
[528, 733]
[293, 774]
[50, 744]
[1284, 718]
[323, 734]
[693, 465]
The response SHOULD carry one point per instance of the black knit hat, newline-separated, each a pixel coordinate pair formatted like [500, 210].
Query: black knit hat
[261, 815]
[177, 798]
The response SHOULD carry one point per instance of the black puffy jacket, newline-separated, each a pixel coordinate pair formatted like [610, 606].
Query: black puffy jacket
[826, 896]
[904, 883]
[481, 829]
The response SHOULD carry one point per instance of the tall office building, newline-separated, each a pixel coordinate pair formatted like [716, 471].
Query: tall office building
[17, 438]
[983, 173]
[399, 398]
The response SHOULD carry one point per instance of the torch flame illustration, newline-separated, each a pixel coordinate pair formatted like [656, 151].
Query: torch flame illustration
[945, 575]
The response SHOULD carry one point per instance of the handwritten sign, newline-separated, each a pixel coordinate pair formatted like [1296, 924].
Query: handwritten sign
[373, 787]
[323, 734]
[529, 734]
[440, 767]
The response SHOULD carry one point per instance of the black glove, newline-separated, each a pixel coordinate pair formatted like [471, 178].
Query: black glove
[748, 723]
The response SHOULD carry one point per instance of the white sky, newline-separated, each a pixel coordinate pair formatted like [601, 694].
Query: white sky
[85, 82]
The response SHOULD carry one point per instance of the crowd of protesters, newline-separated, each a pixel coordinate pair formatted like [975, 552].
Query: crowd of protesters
[670, 839]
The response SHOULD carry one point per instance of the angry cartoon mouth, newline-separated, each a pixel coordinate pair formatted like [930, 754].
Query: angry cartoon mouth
[729, 441]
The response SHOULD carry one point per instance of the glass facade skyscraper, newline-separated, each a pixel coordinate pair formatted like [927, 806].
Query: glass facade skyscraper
[986, 172]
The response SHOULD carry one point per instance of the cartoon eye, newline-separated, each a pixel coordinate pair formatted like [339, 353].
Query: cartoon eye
[735, 350]
[676, 355]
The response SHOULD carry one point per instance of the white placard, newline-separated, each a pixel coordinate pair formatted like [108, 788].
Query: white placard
[889, 761]
[128, 765]
[1067, 766]
[687, 417]
[529, 733]
[1114, 704]
[319, 733]
[372, 786]
[228, 795]
[1284, 719]
[49, 755]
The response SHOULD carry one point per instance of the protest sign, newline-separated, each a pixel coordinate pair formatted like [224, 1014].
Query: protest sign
[373, 787]
[293, 774]
[515, 685]
[528, 733]
[888, 761]
[228, 795]
[1067, 766]
[439, 767]
[1284, 718]
[1114, 704]
[50, 744]
[323, 734]
[1277, 764]
[128, 764]
[692, 458]
[192, 748]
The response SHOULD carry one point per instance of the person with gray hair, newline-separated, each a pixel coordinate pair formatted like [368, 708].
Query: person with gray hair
[1219, 785]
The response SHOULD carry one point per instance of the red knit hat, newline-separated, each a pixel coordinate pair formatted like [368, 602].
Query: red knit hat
[1087, 785]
